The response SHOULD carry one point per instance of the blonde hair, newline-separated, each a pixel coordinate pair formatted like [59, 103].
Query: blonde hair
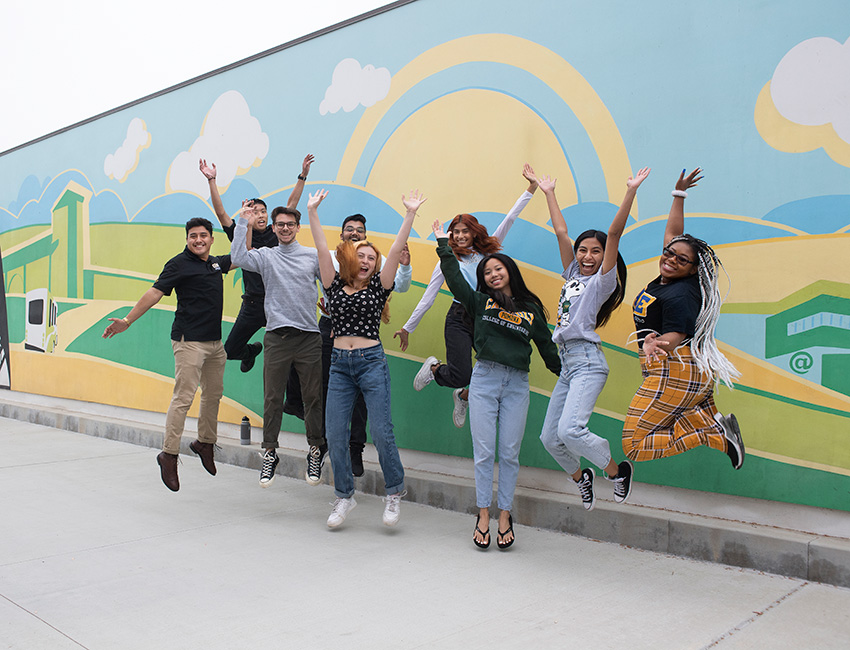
[349, 268]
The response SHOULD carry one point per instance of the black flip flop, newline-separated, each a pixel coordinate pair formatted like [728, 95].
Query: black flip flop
[484, 535]
[500, 536]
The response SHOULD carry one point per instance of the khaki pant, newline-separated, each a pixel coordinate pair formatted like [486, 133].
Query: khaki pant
[196, 363]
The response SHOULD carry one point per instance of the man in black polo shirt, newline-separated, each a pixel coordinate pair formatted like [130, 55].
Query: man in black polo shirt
[252, 316]
[199, 357]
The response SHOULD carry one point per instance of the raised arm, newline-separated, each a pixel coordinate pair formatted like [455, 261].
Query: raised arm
[210, 173]
[676, 220]
[615, 230]
[411, 203]
[295, 194]
[118, 325]
[326, 264]
[241, 253]
[559, 225]
[450, 267]
[503, 228]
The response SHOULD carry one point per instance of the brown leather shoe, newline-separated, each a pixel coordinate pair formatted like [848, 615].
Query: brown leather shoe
[168, 469]
[206, 452]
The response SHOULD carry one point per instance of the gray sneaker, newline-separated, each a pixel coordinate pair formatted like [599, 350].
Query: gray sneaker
[425, 376]
[734, 442]
[460, 409]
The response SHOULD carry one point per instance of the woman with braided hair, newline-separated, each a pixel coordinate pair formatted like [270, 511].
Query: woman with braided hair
[675, 316]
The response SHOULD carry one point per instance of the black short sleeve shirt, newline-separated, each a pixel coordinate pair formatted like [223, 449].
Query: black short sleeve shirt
[267, 238]
[200, 294]
[671, 307]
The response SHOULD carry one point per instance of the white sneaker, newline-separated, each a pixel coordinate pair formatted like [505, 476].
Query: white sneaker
[461, 406]
[341, 509]
[425, 376]
[392, 509]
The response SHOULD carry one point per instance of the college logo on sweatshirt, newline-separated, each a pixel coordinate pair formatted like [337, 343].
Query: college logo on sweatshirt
[515, 320]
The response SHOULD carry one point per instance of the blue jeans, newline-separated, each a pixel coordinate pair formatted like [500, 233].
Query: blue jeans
[353, 372]
[565, 434]
[498, 398]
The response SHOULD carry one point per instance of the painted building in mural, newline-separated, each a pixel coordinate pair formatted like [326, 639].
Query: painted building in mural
[757, 97]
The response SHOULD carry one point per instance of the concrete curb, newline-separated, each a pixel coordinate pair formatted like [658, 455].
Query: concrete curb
[775, 550]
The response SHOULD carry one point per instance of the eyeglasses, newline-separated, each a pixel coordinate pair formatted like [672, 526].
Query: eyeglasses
[681, 259]
[286, 225]
[361, 230]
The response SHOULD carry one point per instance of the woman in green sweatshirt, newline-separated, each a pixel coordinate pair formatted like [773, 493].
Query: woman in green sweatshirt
[507, 317]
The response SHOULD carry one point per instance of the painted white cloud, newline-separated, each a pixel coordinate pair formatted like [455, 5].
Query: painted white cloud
[230, 137]
[353, 86]
[811, 85]
[120, 165]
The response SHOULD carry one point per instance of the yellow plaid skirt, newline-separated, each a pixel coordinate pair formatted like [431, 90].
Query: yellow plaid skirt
[672, 411]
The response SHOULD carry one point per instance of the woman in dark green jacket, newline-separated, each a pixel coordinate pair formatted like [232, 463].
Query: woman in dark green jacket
[506, 317]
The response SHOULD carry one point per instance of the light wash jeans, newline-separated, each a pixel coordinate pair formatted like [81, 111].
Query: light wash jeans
[565, 434]
[498, 398]
[364, 371]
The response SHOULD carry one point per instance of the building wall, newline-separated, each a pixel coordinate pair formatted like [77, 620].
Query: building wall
[452, 98]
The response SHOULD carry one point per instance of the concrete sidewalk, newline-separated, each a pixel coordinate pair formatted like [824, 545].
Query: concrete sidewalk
[97, 553]
[786, 539]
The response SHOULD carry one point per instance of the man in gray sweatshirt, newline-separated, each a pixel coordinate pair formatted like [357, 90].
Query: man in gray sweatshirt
[292, 337]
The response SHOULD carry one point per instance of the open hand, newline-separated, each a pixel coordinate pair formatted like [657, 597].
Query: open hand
[547, 184]
[689, 181]
[305, 166]
[437, 227]
[634, 182]
[652, 347]
[316, 199]
[413, 201]
[528, 174]
[207, 170]
[116, 326]
[402, 336]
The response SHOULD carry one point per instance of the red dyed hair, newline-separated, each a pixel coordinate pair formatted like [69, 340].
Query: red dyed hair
[482, 241]
[349, 267]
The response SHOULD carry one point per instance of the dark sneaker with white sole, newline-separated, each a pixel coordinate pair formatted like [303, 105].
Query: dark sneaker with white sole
[623, 481]
[315, 458]
[734, 442]
[585, 488]
[270, 461]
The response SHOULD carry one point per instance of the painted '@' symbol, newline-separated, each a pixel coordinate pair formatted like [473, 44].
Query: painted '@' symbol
[801, 363]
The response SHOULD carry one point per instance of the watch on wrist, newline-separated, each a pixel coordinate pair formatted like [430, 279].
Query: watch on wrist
[301, 177]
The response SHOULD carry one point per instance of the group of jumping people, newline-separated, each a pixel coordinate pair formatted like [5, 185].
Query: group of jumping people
[497, 316]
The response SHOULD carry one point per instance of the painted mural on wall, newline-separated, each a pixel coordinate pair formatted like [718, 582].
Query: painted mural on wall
[89, 216]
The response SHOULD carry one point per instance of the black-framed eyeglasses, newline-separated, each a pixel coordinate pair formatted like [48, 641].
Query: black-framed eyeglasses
[681, 259]
[285, 225]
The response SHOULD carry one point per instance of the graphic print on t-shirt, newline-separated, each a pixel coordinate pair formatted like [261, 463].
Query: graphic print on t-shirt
[642, 303]
[569, 291]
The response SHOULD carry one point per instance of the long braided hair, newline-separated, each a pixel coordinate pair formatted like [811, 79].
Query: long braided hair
[709, 359]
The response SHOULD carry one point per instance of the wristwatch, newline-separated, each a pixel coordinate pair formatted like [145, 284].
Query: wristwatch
[301, 177]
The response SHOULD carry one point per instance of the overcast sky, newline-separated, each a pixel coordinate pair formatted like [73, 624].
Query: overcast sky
[63, 62]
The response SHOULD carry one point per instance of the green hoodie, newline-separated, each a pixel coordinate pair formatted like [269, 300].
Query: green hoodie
[499, 335]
